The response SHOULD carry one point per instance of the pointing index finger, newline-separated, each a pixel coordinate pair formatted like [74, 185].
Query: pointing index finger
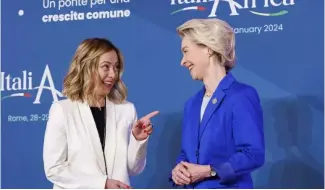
[150, 115]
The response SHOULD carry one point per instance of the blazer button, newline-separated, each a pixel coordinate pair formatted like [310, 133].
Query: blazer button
[197, 153]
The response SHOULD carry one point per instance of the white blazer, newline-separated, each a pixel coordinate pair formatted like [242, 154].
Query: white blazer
[73, 156]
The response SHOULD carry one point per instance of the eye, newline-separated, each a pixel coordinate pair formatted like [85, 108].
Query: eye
[105, 67]
[117, 67]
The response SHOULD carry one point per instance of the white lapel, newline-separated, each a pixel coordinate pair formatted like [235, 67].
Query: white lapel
[90, 126]
[110, 141]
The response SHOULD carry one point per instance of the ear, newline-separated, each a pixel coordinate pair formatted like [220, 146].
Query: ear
[210, 52]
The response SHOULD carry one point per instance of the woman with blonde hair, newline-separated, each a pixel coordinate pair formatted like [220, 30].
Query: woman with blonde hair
[222, 132]
[93, 138]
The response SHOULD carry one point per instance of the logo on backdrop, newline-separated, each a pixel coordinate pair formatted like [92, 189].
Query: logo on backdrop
[234, 7]
[21, 86]
[261, 8]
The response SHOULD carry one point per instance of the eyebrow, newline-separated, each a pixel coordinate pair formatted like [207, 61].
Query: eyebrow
[109, 63]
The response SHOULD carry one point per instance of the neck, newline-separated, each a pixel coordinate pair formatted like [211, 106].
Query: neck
[99, 103]
[213, 78]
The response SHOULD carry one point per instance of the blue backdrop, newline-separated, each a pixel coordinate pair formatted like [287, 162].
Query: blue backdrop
[279, 52]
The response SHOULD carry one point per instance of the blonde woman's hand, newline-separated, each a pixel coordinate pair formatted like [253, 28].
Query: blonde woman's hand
[143, 127]
[115, 184]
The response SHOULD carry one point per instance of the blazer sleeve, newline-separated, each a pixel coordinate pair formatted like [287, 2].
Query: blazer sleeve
[137, 150]
[248, 135]
[55, 151]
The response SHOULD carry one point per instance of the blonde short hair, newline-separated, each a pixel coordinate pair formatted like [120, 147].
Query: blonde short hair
[213, 33]
[79, 84]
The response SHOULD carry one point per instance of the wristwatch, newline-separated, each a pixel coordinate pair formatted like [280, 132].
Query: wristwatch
[212, 172]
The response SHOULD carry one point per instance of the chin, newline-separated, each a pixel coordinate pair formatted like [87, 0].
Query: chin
[195, 77]
[106, 91]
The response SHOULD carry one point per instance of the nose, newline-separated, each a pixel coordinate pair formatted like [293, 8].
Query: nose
[183, 62]
[112, 73]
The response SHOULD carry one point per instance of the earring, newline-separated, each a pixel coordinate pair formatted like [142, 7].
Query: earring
[210, 52]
